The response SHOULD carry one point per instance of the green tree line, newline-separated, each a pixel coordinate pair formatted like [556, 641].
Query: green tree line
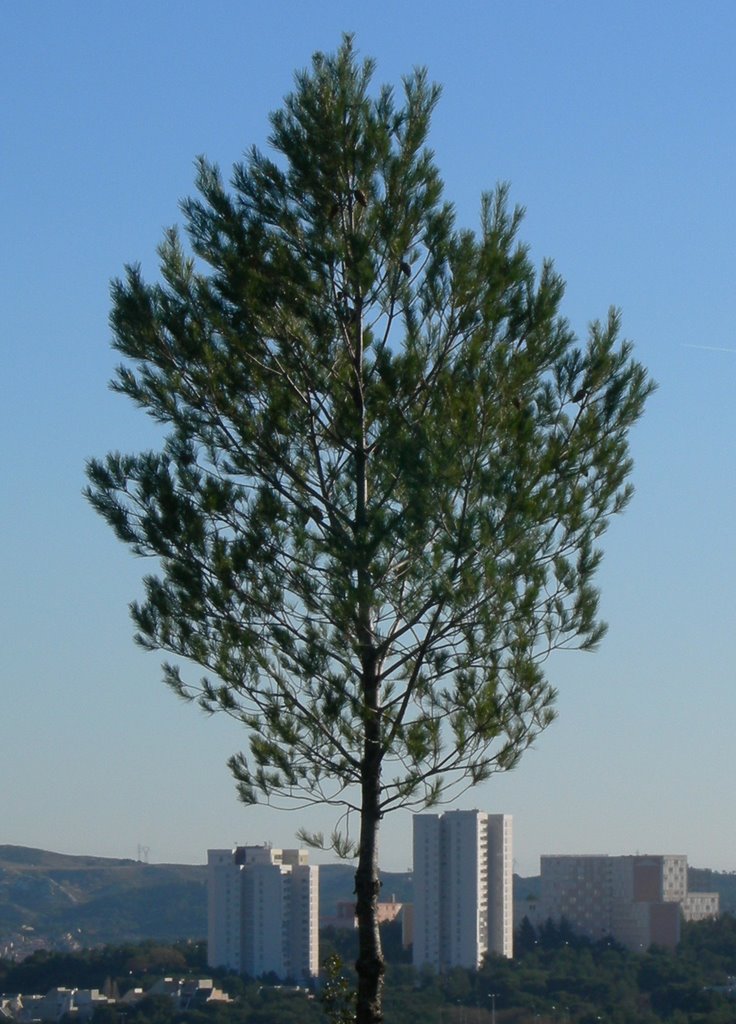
[554, 978]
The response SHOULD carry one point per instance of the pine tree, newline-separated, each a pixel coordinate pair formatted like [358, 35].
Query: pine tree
[387, 465]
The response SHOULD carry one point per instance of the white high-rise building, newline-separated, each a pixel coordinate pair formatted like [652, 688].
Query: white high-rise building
[463, 888]
[262, 912]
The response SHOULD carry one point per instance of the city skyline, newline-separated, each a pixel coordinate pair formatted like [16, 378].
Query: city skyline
[614, 129]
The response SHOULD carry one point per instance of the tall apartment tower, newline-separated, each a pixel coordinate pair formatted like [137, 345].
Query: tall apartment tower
[262, 912]
[463, 888]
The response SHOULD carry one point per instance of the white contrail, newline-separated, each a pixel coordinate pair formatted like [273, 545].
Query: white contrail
[710, 348]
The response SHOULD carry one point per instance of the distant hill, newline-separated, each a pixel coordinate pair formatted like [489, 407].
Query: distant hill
[56, 901]
[337, 881]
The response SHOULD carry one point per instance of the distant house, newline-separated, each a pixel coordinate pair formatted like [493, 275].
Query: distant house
[57, 1003]
[186, 993]
[345, 913]
[11, 1008]
[81, 1003]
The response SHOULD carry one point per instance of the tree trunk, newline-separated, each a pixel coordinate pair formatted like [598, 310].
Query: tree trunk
[370, 964]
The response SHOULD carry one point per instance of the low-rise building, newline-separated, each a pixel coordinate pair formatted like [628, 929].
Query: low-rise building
[344, 916]
[79, 1003]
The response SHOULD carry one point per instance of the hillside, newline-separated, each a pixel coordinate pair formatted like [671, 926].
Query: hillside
[56, 901]
[65, 902]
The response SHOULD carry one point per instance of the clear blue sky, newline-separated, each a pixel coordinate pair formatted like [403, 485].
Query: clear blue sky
[615, 124]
